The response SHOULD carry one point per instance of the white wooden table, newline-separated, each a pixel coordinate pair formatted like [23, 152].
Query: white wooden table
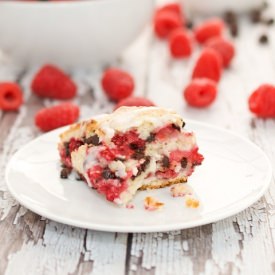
[242, 244]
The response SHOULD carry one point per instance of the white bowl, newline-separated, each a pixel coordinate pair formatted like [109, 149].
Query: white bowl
[216, 7]
[78, 33]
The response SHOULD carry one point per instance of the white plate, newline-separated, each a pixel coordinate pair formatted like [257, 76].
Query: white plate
[234, 174]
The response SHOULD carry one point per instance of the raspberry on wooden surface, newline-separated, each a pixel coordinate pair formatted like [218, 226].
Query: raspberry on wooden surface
[201, 92]
[209, 29]
[59, 115]
[224, 47]
[50, 81]
[208, 65]
[117, 84]
[171, 7]
[180, 43]
[11, 96]
[165, 22]
[262, 101]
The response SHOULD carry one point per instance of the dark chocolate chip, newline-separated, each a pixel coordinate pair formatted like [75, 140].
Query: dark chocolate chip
[234, 29]
[263, 39]
[189, 24]
[269, 21]
[65, 172]
[134, 146]
[183, 124]
[230, 17]
[120, 159]
[183, 162]
[176, 127]
[108, 174]
[256, 16]
[93, 140]
[151, 137]
[138, 155]
[144, 165]
[165, 162]
[67, 148]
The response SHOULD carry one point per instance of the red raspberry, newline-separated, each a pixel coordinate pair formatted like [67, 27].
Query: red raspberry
[165, 22]
[134, 101]
[180, 44]
[52, 82]
[117, 84]
[11, 96]
[209, 65]
[208, 29]
[200, 92]
[56, 116]
[262, 101]
[224, 47]
[171, 7]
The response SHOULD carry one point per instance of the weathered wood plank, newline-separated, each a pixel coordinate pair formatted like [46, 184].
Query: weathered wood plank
[243, 244]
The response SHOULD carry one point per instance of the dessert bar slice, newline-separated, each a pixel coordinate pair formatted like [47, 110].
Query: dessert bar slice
[132, 148]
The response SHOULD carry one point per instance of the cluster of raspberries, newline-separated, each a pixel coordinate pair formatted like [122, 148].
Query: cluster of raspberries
[216, 54]
[169, 23]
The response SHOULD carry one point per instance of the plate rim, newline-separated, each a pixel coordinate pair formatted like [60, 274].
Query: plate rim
[242, 205]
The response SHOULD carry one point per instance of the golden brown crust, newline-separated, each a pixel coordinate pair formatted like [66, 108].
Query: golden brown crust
[163, 183]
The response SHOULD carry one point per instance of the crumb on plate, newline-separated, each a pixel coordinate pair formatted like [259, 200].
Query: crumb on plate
[151, 204]
[192, 202]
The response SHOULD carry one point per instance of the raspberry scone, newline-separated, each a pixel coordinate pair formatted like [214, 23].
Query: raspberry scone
[132, 148]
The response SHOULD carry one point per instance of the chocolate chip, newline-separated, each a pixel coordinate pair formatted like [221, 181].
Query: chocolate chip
[176, 127]
[183, 162]
[234, 29]
[183, 124]
[189, 24]
[263, 39]
[134, 146]
[256, 16]
[67, 148]
[108, 174]
[151, 137]
[165, 162]
[65, 172]
[138, 155]
[120, 159]
[269, 21]
[230, 17]
[93, 140]
[144, 165]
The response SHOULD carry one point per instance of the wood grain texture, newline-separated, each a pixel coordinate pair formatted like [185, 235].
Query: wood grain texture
[242, 244]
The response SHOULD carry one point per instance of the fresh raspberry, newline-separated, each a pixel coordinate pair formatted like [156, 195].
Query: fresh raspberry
[134, 101]
[52, 82]
[11, 97]
[208, 29]
[180, 43]
[209, 65]
[117, 84]
[224, 47]
[165, 22]
[262, 101]
[171, 7]
[56, 116]
[201, 92]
